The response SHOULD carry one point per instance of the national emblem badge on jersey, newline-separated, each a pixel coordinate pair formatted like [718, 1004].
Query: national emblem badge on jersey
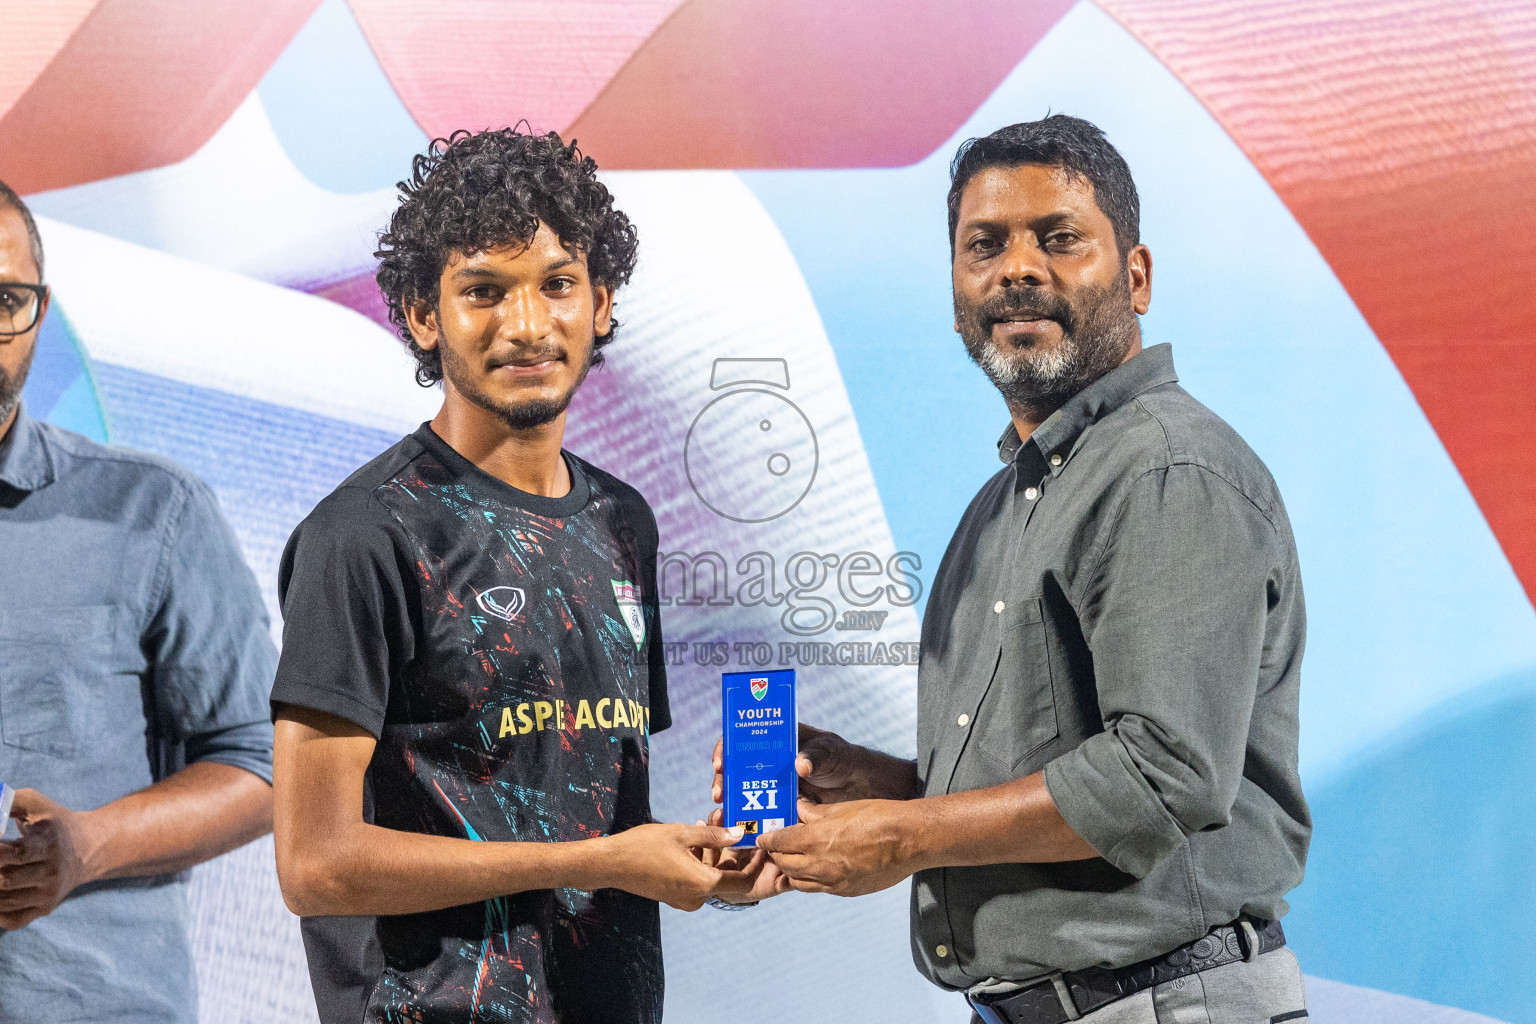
[628, 597]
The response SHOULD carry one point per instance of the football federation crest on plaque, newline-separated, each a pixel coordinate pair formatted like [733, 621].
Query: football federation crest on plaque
[628, 597]
[759, 725]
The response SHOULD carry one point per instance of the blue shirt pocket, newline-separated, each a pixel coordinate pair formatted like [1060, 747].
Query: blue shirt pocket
[53, 662]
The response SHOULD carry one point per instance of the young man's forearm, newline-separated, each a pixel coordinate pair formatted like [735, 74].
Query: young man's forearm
[367, 869]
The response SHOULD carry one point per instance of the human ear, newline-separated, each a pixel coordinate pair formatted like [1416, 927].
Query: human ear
[1139, 271]
[602, 310]
[421, 318]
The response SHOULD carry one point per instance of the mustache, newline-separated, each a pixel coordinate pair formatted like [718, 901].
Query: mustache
[1025, 300]
[528, 356]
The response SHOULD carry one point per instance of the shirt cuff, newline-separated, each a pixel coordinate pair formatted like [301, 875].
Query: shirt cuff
[242, 746]
[1107, 802]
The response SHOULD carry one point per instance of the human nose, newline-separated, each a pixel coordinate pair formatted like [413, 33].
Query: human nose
[1022, 264]
[525, 316]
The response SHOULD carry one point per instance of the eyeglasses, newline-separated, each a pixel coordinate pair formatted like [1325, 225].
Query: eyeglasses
[20, 305]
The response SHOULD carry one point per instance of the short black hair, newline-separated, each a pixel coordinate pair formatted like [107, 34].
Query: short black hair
[9, 198]
[1057, 140]
[475, 191]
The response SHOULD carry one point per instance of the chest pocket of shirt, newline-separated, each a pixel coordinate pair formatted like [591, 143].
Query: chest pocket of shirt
[54, 664]
[1017, 714]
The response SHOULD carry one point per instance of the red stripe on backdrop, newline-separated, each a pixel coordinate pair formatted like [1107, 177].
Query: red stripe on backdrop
[1402, 136]
[806, 83]
[490, 63]
[708, 83]
[135, 85]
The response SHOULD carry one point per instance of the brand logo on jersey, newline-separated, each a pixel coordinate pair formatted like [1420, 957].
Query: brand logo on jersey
[502, 602]
[759, 688]
[628, 597]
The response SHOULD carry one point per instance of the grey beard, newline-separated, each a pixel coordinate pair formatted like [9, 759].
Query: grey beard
[12, 384]
[1038, 383]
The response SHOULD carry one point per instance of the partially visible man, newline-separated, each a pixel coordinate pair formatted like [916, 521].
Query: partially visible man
[1104, 816]
[135, 664]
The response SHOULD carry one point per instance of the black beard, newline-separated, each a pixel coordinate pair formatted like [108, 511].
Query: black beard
[1096, 333]
[519, 416]
[11, 384]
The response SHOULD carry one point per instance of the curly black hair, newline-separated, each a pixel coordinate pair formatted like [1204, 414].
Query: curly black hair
[475, 191]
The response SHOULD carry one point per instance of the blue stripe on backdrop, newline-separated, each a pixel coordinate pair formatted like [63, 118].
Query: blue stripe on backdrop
[1412, 604]
[336, 114]
[1420, 876]
[268, 464]
[59, 387]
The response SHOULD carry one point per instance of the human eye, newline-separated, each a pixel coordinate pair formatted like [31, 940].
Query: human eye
[10, 301]
[483, 294]
[985, 245]
[1062, 240]
[559, 285]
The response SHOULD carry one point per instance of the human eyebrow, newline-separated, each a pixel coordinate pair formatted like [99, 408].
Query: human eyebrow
[560, 264]
[474, 274]
[1050, 221]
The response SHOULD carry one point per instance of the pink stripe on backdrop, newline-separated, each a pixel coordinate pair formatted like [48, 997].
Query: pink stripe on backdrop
[807, 83]
[139, 84]
[489, 63]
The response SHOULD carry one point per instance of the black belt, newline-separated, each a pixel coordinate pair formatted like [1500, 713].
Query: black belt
[1068, 996]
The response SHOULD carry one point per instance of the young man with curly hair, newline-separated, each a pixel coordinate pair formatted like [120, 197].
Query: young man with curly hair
[472, 654]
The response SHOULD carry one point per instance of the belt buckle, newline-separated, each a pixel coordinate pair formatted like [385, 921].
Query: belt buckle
[989, 1014]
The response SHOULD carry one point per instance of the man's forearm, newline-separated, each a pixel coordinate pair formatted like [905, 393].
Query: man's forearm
[373, 870]
[891, 777]
[1014, 823]
[200, 812]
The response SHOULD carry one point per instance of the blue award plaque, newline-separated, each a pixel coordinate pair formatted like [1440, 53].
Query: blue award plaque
[7, 794]
[759, 726]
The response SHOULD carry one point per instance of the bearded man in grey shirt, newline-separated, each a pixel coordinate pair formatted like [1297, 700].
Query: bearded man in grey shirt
[1104, 815]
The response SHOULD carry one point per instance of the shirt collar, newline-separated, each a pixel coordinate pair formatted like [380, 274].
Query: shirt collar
[24, 460]
[1144, 371]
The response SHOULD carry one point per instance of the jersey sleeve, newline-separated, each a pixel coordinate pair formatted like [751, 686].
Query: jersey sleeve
[647, 542]
[346, 594]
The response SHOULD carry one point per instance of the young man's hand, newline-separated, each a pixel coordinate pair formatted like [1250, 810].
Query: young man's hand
[46, 864]
[767, 879]
[670, 864]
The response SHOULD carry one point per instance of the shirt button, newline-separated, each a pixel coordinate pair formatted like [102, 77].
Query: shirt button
[999, 607]
[1055, 460]
[943, 951]
[1031, 493]
[964, 719]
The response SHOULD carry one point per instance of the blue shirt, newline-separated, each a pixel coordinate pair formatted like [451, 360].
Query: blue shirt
[133, 641]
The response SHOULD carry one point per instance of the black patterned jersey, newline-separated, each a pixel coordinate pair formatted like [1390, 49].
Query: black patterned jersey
[505, 650]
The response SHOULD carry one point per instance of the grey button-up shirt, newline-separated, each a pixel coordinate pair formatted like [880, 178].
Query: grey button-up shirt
[1120, 607]
[133, 640]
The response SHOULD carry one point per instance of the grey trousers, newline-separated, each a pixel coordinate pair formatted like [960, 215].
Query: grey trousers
[1266, 991]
